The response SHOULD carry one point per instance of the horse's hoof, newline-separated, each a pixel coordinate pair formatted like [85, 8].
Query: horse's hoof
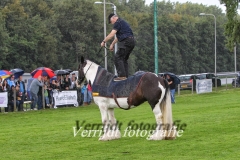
[170, 138]
[154, 138]
[157, 135]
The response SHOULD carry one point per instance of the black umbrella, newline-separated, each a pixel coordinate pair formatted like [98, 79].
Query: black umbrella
[17, 72]
[61, 72]
[173, 76]
[69, 70]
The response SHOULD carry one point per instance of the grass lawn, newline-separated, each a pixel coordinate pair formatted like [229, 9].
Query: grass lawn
[212, 131]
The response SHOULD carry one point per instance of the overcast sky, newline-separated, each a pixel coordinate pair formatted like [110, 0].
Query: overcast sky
[204, 2]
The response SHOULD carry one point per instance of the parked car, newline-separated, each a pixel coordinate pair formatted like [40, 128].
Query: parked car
[237, 82]
[187, 80]
[210, 76]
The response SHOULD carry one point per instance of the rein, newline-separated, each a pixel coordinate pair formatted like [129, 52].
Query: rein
[100, 61]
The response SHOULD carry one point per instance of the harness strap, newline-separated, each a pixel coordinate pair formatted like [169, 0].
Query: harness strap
[130, 96]
[115, 99]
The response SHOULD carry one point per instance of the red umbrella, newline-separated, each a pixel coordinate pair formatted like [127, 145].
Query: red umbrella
[42, 71]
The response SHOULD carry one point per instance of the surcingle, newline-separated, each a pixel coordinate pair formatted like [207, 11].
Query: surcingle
[105, 86]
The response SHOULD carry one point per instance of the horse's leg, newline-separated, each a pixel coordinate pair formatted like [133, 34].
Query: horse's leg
[103, 110]
[114, 133]
[157, 134]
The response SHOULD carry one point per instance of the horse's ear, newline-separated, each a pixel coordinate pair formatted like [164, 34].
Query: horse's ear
[82, 59]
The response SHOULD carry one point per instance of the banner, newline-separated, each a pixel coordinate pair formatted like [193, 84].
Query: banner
[3, 99]
[203, 86]
[65, 97]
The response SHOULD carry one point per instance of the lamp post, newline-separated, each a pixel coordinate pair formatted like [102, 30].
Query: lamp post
[104, 21]
[204, 14]
[115, 12]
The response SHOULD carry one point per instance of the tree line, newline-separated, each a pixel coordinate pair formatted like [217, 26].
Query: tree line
[56, 33]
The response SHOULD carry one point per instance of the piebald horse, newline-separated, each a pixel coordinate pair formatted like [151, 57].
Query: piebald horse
[127, 94]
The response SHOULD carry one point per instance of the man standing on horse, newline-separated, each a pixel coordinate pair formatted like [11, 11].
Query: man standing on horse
[126, 43]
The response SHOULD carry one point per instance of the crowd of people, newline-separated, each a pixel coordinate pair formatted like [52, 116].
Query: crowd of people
[42, 87]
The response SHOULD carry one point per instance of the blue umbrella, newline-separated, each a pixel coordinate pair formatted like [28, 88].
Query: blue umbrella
[53, 78]
[17, 72]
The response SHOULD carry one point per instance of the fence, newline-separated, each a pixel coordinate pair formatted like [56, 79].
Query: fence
[225, 79]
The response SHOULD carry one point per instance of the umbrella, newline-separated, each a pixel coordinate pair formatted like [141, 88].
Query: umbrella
[42, 71]
[61, 72]
[53, 78]
[5, 73]
[69, 70]
[172, 75]
[17, 72]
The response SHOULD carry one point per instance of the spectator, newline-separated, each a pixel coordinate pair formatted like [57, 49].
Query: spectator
[5, 86]
[34, 88]
[1, 88]
[87, 95]
[11, 99]
[172, 87]
[54, 87]
[46, 95]
[11, 81]
[59, 83]
[67, 82]
[73, 82]
[83, 89]
[40, 98]
[18, 98]
[23, 92]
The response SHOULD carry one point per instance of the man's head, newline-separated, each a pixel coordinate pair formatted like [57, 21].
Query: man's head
[39, 78]
[112, 18]
[12, 77]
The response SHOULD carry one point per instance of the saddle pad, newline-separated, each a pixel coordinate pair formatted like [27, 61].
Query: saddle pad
[105, 85]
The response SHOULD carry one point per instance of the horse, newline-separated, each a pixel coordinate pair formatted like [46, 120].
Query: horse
[127, 94]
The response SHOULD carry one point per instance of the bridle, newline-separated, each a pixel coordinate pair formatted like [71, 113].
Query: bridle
[84, 64]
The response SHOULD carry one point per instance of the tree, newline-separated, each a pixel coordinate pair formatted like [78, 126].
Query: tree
[232, 27]
[4, 41]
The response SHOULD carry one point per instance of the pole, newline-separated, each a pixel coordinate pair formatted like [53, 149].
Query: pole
[215, 52]
[235, 62]
[115, 48]
[155, 37]
[105, 33]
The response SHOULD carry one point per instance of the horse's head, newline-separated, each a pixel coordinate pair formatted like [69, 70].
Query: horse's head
[81, 74]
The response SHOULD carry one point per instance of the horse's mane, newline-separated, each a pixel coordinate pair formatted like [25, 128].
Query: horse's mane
[103, 77]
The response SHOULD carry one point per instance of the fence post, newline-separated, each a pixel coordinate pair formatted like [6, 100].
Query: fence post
[2, 109]
[226, 83]
[192, 86]
[178, 89]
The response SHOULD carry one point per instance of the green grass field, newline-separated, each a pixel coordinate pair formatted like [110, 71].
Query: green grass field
[212, 132]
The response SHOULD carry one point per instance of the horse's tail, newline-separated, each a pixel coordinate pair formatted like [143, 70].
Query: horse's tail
[166, 107]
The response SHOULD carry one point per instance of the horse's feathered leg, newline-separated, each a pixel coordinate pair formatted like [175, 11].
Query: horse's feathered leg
[105, 121]
[115, 133]
[158, 134]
